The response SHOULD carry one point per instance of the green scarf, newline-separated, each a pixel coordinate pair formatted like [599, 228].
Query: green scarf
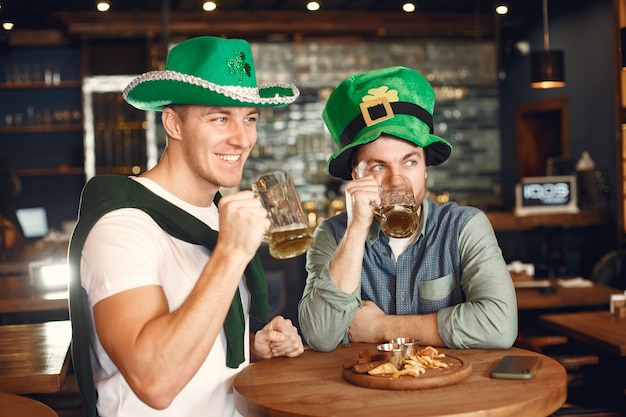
[106, 193]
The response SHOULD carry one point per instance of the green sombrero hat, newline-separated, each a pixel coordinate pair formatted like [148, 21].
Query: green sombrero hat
[396, 101]
[207, 71]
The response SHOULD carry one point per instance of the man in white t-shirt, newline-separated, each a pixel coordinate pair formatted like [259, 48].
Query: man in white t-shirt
[159, 300]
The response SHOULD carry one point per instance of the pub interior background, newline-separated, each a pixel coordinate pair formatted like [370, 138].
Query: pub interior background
[482, 81]
[63, 120]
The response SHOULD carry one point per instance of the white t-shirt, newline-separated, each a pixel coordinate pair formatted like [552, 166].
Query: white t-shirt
[126, 249]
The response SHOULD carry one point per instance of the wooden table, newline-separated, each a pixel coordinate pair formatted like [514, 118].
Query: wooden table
[559, 297]
[34, 358]
[18, 295]
[15, 267]
[15, 405]
[47, 301]
[603, 334]
[35, 253]
[312, 385]
[596, 328]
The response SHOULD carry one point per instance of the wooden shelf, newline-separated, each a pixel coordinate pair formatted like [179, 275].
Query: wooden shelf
[119, 170]
[40, 84]
[46, 172]
[42, 128]
[507, 221]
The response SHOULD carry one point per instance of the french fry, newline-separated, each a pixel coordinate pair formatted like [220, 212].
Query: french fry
[410, 370]
[431, 352]
[386, 368]
[416, 365]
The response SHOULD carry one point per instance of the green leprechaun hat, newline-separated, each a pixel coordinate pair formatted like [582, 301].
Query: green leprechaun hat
[396, 101]
[210, 71]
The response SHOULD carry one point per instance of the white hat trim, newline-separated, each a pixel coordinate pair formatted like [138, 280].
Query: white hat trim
[243, 94]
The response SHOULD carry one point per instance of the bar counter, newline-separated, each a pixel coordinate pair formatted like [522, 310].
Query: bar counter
[507, 221]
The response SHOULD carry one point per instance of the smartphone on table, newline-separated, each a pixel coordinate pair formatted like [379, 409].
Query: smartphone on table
[516, 367]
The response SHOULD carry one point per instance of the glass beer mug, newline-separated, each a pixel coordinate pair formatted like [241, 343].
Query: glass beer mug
[289, 235]
[397, 212]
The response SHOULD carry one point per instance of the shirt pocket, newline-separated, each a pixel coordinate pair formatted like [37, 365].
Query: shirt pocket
[437, 289]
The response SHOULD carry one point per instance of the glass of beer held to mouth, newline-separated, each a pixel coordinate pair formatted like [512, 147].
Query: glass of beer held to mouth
[289, 235]
[397, 212]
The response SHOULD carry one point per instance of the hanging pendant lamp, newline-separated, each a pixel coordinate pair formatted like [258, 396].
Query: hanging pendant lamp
[547, 68]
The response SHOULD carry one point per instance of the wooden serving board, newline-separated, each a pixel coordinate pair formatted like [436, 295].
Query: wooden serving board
[457, 371]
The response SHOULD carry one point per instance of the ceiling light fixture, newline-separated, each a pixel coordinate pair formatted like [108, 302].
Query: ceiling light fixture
[209, 6]
[313, 6]
[8, 25]
[103, 6]
[547, 69]
[408, 7]
[502, 9]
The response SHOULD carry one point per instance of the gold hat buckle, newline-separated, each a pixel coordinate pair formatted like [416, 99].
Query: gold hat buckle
[378, 101]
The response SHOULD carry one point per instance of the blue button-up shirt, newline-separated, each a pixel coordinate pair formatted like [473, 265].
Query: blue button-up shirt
[454, 267]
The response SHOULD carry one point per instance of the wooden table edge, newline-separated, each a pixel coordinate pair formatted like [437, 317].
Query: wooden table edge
[50, 383]
[547, 321]
[549, 404]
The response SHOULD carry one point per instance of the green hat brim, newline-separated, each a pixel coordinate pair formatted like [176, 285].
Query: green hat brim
[153, 90]
[437, 149]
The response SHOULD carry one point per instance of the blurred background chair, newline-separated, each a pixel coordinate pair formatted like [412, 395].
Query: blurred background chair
[551, 345]
[610, 270]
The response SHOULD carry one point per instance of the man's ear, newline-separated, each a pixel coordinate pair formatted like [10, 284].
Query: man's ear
[171, 123]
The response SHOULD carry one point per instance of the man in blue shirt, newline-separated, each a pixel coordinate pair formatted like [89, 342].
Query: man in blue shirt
[447, 284]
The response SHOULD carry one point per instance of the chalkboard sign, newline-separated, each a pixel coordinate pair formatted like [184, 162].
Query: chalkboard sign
[539, 195]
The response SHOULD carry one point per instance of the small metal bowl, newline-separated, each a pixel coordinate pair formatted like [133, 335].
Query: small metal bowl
[394, 353]
[409, 345]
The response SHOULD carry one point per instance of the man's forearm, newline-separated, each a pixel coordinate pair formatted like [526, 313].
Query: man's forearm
[347, 263]
[421, 327]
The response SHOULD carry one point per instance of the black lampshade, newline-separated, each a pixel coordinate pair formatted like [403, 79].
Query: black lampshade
[547, 69]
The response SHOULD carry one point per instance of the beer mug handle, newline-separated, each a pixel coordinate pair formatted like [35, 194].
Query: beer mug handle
[377, 211]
